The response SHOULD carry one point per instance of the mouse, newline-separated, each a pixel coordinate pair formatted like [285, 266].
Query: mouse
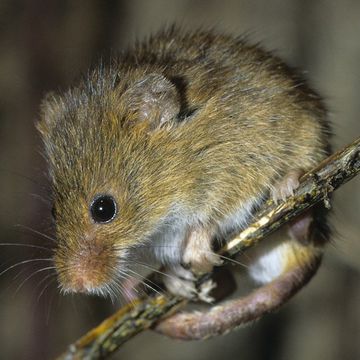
[167, 150]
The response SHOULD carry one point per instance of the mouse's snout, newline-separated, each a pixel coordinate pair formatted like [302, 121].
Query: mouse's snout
[88, 268]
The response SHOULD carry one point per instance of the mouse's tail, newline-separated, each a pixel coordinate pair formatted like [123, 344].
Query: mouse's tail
[236, 313]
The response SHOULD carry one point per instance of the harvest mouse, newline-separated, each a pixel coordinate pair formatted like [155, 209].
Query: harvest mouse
[174, 144]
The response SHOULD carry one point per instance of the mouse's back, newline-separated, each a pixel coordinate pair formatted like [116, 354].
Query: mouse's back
[184, 129]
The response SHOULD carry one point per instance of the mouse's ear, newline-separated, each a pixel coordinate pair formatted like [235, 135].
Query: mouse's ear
[49, 112]
[153, 99]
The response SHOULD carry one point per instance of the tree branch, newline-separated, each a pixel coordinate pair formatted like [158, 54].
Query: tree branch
[134, 318]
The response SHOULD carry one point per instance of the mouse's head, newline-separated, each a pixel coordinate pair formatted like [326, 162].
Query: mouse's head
[106, 144]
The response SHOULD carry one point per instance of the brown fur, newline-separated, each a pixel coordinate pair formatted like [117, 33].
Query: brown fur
[200, 119]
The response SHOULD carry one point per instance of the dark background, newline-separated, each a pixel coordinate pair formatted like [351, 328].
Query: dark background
[46, 45]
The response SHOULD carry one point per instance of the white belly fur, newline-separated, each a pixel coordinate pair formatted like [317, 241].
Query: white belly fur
[270, 259]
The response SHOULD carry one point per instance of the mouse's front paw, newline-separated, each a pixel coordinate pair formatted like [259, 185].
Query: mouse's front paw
[286, 186]
[181, 282]
[201, 262]
[198, 254]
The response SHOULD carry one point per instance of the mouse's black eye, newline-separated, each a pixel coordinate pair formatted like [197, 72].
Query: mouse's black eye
[103, 209]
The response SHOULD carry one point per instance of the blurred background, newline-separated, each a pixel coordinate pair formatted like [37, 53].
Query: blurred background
[46, 45]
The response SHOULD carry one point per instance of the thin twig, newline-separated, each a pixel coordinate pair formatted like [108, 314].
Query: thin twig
[132, 319]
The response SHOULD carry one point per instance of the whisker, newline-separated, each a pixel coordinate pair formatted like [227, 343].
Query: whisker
[144, 283]
[44, 288]
[35, 182]
[112, 293]
[207, 251]
[44, 200]
[22, 263]
[30, 276]
[123, 292]
[145, 278]
[152, 268]
[50, 306]
[20, 273]
[122, 289]
[170, 276]
[52, 274]
[124, 275]
[109, 290]
[36, 232]
[234, 261]
[14, 279]
[26, 245]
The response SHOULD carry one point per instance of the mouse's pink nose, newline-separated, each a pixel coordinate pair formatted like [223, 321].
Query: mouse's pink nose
[82, 284]
[87, 269]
